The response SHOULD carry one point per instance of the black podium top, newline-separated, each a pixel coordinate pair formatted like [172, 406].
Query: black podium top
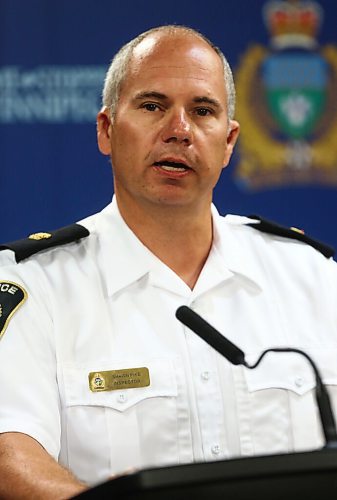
[307, 476]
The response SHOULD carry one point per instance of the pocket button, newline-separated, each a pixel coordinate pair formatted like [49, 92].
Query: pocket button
[299, 381]
[122, 398]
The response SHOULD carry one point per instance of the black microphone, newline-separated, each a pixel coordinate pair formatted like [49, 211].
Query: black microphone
[237, 357]
[210, 335]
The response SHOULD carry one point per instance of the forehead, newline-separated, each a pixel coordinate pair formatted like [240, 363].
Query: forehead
[181, 59]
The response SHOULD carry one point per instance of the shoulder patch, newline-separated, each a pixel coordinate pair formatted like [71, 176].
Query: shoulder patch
[12, 296]
[42, 241]
[267, 226]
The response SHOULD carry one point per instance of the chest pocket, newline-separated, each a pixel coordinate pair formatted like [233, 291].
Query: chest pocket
[118, 429]
[282, 407]
[77, 391]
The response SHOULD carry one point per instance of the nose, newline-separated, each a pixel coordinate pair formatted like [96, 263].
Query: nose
[177, 128]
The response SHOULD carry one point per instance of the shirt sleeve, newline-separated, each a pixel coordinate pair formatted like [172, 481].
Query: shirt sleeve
[29, 397]
[331, 275]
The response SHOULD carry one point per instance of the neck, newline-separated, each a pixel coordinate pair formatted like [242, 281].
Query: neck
[180, 237]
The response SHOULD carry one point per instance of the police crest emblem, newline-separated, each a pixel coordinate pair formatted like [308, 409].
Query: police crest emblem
[12, 296]
[286, 102]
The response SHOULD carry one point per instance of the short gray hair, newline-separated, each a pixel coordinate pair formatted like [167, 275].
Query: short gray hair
[120, 63]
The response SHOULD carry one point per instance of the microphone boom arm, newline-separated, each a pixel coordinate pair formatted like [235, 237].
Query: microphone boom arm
[237, 357]
[322, 396]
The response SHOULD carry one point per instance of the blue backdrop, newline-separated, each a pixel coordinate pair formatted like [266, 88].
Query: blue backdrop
[52, 61]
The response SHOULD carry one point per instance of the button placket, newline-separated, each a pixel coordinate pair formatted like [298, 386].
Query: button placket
[215, 449]
[205, 375]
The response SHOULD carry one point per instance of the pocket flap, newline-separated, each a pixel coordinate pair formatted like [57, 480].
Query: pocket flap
[77, 391]
[292, 371]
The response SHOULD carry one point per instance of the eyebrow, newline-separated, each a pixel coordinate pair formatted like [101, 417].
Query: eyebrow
[207, 100]
[163, 97]
[149, 94]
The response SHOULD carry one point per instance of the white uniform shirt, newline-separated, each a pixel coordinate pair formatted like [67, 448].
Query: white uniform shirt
[107, 303]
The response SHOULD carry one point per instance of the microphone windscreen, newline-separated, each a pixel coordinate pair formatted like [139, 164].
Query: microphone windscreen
[210, 335]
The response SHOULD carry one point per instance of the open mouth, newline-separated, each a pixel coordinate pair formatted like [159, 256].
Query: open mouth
[172, 166]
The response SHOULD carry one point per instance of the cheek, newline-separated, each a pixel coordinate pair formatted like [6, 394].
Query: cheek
[216, 135]
[219, 149]
[120, 142]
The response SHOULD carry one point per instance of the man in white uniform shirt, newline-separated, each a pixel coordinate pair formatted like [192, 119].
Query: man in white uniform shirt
[97, 373]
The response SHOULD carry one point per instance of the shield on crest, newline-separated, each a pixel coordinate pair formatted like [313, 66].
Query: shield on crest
[295, 90]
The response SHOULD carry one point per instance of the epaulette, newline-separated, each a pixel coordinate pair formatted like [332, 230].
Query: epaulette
[42, 241]
[267, 226]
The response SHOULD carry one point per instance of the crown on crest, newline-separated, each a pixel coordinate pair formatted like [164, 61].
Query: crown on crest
[293, 22]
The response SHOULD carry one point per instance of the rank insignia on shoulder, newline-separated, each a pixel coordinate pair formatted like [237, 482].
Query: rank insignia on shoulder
[12, 296]
[39, 236]
[43, 241]
[296, 229]
[267, 226]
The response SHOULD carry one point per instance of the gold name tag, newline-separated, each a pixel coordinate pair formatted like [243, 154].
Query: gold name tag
[114, 380]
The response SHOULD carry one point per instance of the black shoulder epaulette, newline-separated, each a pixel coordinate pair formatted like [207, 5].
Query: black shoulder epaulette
[267, 226]
[42, 241]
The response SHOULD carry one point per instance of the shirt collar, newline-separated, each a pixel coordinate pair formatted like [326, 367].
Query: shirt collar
[125, 259]
[233, 247]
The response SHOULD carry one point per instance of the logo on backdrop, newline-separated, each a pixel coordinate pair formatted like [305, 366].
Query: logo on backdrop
[287, 102]
[50, 94]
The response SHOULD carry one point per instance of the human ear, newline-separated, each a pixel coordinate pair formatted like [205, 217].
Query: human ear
[103, 131]
[232, 137]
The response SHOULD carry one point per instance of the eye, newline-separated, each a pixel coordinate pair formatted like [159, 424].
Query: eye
[203, 111]
[150, 106]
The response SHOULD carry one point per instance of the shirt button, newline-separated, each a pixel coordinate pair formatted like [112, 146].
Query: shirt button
[205, 375]
[299, 381]
[215, 449]
[122, 398]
